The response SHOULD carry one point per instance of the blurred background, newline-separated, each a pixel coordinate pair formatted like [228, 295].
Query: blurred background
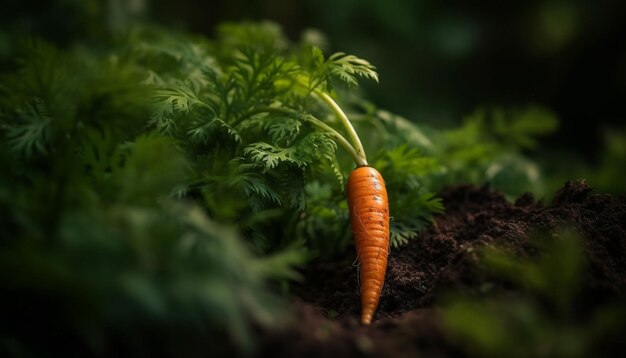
[438, 61]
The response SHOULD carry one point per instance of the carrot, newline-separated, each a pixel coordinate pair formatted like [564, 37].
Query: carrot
[369, 211]
[369, 218]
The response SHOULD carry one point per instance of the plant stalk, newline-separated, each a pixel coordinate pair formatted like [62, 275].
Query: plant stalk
[341, 140]
[360, 160]
[354, 137]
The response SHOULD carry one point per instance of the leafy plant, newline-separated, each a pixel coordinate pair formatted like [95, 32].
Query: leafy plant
[488, 148]
[103, 152]
[183, 175]
[124, 254]
[268, 113]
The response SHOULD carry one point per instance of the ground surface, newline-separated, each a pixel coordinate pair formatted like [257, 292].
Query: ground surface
[443, 259]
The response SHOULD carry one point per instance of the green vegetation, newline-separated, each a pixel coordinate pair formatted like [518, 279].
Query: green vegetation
[160, 179]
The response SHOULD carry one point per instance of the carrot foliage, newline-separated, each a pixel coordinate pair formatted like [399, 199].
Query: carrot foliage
[163, 177]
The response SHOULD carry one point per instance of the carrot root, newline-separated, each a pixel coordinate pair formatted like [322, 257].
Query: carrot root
[369, 218]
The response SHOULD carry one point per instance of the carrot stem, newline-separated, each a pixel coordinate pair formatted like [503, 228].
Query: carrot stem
[354, 137]
[343, 142]
[360, 160]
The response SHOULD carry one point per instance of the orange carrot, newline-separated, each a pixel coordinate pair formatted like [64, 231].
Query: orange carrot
[369, 218]
[369, 211]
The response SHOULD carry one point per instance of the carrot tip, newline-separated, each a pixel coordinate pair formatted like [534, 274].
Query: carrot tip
[366, 319]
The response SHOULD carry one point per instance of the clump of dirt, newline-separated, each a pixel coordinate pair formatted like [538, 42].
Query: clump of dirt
[444, 258]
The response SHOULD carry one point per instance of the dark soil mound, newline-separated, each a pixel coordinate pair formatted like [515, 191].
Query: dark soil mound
[443, 258]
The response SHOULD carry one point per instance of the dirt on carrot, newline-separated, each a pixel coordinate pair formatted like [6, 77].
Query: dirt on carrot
[442, 259]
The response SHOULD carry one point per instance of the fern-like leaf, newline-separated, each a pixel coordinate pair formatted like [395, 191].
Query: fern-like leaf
[271, 156]
[31, 130]
[203, 133]
[348, 67]
[173, 101]
[256, 189]
[411, 214]
[282, 129]
[317, 145]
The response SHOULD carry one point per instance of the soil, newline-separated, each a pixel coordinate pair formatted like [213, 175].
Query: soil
[444, 259]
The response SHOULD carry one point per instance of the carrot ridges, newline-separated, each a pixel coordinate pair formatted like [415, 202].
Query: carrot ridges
[369, 218]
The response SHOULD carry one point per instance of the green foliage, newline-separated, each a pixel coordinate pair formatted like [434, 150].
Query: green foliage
[488, 148]
[181, 175]
[132, 255]
[91, 219]
[245, 111]
[165, 181]
[539, 318]
[406, 171]
[269, 156]
[31, 132]
[347, 67]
